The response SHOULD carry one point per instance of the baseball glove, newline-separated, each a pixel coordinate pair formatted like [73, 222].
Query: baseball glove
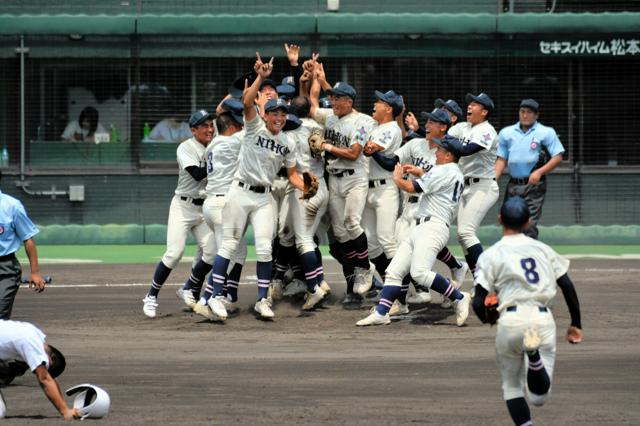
[310, 185]
[491, 303]
[316, 139]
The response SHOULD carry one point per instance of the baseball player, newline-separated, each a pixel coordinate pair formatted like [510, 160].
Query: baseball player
[441, 188]
[452, 108]
[264, 149]
[478, 166]
[524, 273]
[345, 134]
[531, 150]
[221, 156]
[185, 212]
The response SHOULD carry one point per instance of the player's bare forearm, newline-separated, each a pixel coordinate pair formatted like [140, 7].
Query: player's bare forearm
[295, 179]
[36, 281]
[501, 164]
[405, 185]
[551, 164]
[52, 390]
[352, 153]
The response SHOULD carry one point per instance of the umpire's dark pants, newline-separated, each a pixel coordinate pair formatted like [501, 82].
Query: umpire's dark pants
[534, 195]
[10, 275]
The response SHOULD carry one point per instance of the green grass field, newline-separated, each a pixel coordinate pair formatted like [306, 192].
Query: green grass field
[153, 253]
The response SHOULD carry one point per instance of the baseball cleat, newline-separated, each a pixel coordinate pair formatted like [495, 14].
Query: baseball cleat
[187, 297]
[461, 308]
[363, 279]
[351, 298]
[230, 305]
[458, 274]
[150, 306]
[203, 310]
[325, 287]
[314, 298]
[217, 307]
[398, 309]
[418, 297]
[275, 289]
[263, 307]
[531, 340]
[374, 319]
[294, 288]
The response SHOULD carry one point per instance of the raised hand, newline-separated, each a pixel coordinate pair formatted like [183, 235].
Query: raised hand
[293, 53]
[411, 121]
[262, 69]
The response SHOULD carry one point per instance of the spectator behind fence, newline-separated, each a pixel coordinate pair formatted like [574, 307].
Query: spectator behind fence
[85, 128]
[170, 130]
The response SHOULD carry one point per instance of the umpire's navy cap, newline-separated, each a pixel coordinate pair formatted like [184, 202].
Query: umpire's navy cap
[451, 144]
[438, 114]
[343, 89]
[293, 122]
[199, 117]
[483, 99]
[392, 99]
[531, 104]
[275, 104]
[450, 105]
[286, 91]
[514, 213]
[289, 80]
[235, 108]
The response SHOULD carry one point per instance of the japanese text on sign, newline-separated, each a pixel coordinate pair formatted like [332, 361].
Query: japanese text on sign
[614, 47]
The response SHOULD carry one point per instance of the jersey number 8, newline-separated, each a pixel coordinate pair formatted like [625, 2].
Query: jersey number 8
[530, 274]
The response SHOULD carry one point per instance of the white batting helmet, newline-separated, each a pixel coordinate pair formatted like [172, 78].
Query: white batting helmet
[92, 401]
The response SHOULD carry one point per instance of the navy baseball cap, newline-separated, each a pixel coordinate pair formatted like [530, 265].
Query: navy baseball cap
[324, 102]
[275, 104]
[237, 87]
[293, 122]
[531, 104]
[289, 80]
[483, 99]
[451, 144]
[450, 105]
[514, 213]
[392, 99]
[343, 89]
[286, 91]
[438, 114]
[199, 117]
[235, 108]
[267, 82]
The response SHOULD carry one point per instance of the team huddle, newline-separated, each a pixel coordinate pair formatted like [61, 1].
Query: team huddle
[383, 189]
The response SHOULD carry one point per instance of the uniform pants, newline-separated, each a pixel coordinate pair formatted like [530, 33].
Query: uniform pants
[212, 210]
[303, 218]
[347, 197]
[534, 196]
[511, 359]
[10, 275]
[379, 219]
[477, 199]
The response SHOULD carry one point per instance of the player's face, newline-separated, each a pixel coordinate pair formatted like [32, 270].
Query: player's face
[269, 92]
[341, 105]
[204, 132]
[476, 113]
[452, 116]
[443, 156]
[380, 110]
[527, 117]
[275, 120]
[435, 129]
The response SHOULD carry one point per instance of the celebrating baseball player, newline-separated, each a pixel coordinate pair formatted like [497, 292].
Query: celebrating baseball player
[185, 212]
[523, 273]
[264, 149]
[441, 188]
[345, 135]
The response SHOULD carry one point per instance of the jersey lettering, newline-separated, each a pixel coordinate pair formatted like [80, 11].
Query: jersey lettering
[272, 145]
[457, 191]
[530, 274]
[336, 138]
[209, 162]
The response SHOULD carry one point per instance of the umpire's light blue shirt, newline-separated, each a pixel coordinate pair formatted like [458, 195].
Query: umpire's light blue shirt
[15, 225]
[522, 149]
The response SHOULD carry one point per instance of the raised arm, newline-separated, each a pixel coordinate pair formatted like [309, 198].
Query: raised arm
[263, 71]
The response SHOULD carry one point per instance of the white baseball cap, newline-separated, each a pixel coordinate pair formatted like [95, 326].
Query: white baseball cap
[92, 401]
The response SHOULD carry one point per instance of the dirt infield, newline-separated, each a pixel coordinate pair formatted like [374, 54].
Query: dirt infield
[318, 368]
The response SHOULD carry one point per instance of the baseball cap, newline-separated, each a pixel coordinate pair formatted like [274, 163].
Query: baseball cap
[235, 108]
[267, 82]
[450, 105]
[275, 104]
[451, 144]
[293, 122]
[289, 80]
[531, 104]
[514, 212]
[392, 99]
[343, 89]
[199, 117]
[237, 87]
[438, 114]
[483, 99]
[286, 91]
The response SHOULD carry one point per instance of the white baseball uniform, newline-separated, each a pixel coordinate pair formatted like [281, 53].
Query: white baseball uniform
[348, 180]
[481, 189]
[383, 199]
[249, 197]
[523, 272]
[185, 212]
[221, 156]
[442, 187]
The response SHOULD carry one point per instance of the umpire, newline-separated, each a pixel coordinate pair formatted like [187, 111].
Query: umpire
[531, 150]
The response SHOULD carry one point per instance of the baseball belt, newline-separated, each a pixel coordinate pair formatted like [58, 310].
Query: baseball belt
[377, 182]
[343, 173]
[425, 219]
[468, 181]
[413, 199]
[194, 201]
[258, 189]
[515, 308]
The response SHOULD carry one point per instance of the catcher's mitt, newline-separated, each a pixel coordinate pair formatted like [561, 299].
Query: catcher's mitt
[491, 303]
[310, 185]
[316, 139]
